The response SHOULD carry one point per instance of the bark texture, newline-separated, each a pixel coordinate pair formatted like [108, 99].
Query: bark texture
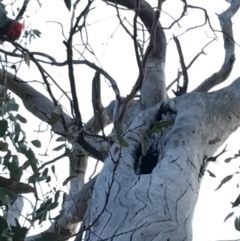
[160, 205]
[150, 181]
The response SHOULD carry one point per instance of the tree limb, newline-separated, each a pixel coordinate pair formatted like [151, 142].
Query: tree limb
[229, 46]
[183, 89]
[154, 62]
[23, 9]
[41, 107]
[190, 64]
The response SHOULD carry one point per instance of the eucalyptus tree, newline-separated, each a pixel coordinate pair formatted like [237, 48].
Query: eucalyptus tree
[159, 148]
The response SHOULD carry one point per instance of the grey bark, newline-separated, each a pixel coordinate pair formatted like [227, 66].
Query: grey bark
[160, 205]
[14, 212]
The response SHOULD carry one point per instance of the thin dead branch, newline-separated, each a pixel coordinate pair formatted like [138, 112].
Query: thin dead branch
[183, 89]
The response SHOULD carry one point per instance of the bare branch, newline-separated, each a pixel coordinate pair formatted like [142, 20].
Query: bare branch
[102, 116]
[207, 20]
[41, 107]
[23, 9]
[135, 41]
[64, 63]
[154, 61]
[191, 63]
[181, 16]
[52, 161]
[126, 29]
[34, 101]
[96, 93]
[183, 89]
[229, 45]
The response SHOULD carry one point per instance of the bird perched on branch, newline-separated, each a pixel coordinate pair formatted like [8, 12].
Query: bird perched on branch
[11, 30]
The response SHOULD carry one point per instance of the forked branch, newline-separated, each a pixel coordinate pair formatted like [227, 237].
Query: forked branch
[229, 46]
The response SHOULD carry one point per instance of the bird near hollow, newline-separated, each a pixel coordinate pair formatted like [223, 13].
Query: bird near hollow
[11, 30]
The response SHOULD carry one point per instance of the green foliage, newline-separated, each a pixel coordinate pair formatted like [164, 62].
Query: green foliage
[122, 141]
[50, 204]
[32, 34]
[226, 179]
[3, 15]
[237, 223]
[17, 233]
[228, 216]
[7, 196]
[36, 143]
[33, 161]
[3, 224]
[72, 160]
[68, 4]
[3, 146]
[11, 105]
[158, 126]
[12, 145]
[61, 138]
[3, 127]
[47, 236]
[55, 117]
[60, 147]
[21, 118]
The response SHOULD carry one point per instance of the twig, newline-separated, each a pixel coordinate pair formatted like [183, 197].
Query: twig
[183, 89]
[52, 161]
[64, 63]
[140, 67]
[97, 100]
[190, 64]
[182, 15]
[125, 28]
[22, 10]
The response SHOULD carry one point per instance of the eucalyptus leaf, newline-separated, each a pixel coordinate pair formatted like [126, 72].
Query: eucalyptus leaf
[228, 216]
[37, 32]
[33, 161]
[3, 146]
[61, 138]
[226, 179]
[11, 107]
[36, 143]
[122, 141]
[157, 127]
[21, 118]
[7, 196]
[47, 236]
[3, 127]
[3, 15]
[68, 4]
[236, 203]
[55, 118]
[58, 148]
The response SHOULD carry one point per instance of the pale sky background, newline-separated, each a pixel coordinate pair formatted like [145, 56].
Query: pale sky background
[115, 52]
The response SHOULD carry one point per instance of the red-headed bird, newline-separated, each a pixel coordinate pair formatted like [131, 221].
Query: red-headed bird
[12, 30]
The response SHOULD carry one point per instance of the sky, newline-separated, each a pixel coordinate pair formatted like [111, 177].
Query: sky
[114, 50]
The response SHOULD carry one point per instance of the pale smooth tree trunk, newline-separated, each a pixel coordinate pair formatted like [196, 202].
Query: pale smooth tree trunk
[160, 205]
[149, 185]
